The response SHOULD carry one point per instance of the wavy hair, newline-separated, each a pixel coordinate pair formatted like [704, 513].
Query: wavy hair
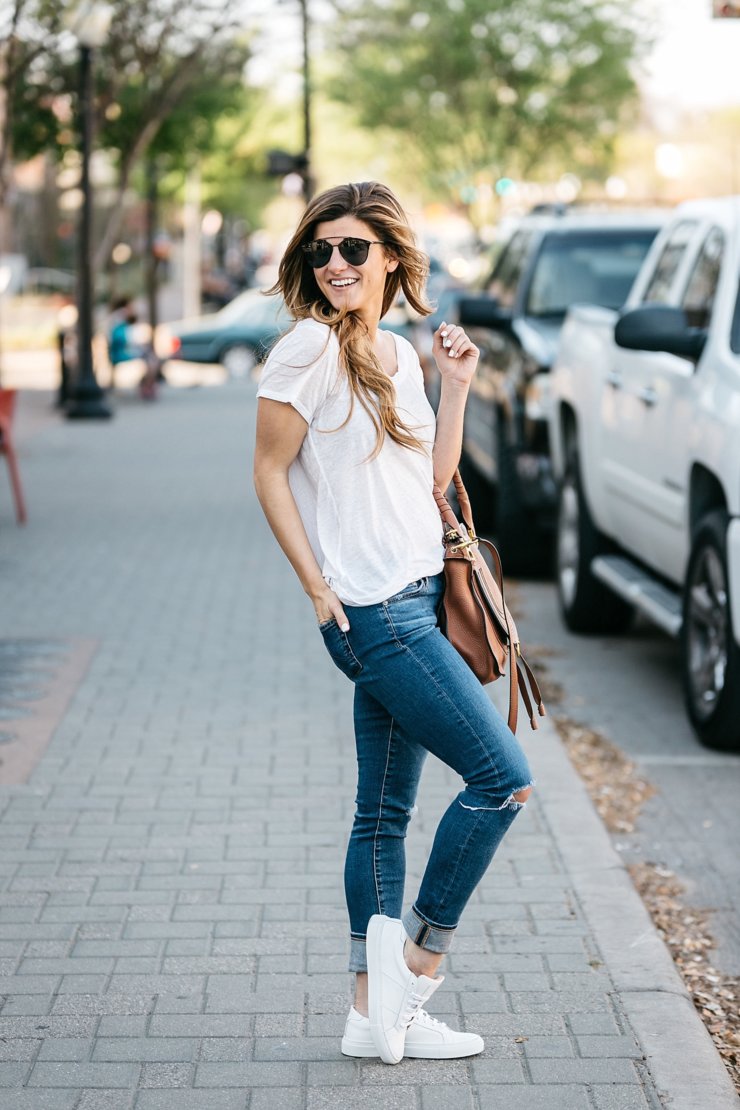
[376, 206]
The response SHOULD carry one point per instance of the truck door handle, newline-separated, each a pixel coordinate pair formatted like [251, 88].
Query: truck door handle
[647, 395]
[614, 379]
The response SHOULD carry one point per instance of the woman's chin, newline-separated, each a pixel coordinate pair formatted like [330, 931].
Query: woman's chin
[343, 298]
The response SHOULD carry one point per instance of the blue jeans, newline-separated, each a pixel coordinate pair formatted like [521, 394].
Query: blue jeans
[414, 694]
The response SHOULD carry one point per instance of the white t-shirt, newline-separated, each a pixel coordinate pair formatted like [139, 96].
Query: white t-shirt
[373, 524]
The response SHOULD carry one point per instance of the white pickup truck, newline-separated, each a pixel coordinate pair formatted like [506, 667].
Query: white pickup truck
[645, 442]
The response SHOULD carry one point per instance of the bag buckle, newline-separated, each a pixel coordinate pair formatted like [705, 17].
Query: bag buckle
[464, 544]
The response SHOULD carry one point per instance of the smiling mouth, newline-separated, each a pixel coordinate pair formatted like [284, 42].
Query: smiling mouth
[343, 283]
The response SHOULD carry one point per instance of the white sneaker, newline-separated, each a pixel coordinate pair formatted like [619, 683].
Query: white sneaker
[426, 1039]
[395, 994]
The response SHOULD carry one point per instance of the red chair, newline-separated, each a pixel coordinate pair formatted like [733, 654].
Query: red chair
[7, 408]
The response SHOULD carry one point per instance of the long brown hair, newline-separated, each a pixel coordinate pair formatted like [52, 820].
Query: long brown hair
[376, 206]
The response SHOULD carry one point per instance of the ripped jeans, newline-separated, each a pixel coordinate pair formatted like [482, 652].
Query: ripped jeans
[413, 695]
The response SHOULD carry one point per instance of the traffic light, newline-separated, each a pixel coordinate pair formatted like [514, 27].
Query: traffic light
[280, 163]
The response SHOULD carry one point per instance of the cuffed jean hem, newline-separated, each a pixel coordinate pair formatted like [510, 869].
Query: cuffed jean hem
[435, 938]
[357, 954]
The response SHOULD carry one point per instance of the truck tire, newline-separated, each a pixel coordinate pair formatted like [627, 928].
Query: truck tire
[586, 604]
[710, 657]
[481, 494]
[524, 547]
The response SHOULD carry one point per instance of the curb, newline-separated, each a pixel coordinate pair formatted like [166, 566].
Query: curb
[687, 1069]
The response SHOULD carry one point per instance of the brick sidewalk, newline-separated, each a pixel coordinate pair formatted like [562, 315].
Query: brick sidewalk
[172, 923]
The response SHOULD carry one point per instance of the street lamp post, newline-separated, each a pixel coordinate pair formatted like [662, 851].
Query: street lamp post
[307, 175]
[89, 22]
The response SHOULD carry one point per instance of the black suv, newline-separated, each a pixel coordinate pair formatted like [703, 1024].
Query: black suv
[548, 264]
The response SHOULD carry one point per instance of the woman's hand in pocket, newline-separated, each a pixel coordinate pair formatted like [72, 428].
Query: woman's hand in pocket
[329, 607]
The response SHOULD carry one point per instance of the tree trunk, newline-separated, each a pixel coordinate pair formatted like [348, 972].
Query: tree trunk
[191, 260]
[151, 263]
[4, 164]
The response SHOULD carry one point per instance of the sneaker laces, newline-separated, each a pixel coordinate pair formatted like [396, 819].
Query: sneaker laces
[413, 1005]
[423, 1018]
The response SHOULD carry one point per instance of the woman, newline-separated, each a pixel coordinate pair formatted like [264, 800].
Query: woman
[123, 347]
[347, 453]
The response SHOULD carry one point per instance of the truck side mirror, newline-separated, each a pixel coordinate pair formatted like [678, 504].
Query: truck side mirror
[484, 312]
[659, 327]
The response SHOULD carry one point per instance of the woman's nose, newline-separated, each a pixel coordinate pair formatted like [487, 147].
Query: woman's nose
[336, 262]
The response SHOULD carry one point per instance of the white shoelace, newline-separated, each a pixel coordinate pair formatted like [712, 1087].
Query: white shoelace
[423, 1018]
[413, 1005]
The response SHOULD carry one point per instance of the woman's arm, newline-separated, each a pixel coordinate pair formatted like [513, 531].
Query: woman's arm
[456, 359]
[280, 433]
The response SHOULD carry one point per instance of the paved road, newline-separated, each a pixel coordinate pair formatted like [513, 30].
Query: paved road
[629, 689]
[172, 926]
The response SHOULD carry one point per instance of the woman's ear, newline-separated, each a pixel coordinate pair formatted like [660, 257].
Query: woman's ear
[391, 264]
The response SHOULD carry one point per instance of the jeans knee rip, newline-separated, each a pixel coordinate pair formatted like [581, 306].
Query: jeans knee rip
[510, 803]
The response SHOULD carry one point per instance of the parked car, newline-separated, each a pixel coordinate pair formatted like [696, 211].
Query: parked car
[645, 437]
[549, 263]
[421, 331]
[239, 336]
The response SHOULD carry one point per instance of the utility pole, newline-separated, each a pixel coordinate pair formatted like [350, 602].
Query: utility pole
[87, 399]
[307, 175]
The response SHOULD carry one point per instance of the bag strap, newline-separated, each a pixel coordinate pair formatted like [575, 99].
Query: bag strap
[445, 510]
[449, 518]
[534, 687]
[522, 666]
[514, 652]
[464, 502]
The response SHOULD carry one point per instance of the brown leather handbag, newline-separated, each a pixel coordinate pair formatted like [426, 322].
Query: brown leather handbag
[474, 616]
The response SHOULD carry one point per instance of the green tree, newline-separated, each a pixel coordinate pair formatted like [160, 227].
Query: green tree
[29, 30]
[161, 56]
[168, 108]
[473, 86]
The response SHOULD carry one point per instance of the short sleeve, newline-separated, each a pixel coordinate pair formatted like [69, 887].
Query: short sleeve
[413, 361]
[301, 368]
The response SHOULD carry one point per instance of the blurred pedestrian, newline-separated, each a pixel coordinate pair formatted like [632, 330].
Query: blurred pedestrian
[347, 453]
[124, 346]
[67, 348]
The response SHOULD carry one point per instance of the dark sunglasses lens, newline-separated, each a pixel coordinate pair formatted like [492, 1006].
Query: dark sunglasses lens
[318, 253]
[354, 251]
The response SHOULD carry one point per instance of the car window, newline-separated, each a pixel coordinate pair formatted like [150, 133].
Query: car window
[508, 269]
[659, 287]
[446, 306]
[698, 300]
[253, 308]
[735, 332]
[596, 266]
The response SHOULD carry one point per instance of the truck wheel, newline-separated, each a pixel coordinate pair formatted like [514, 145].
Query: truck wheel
[525, 549]
[586, 604]
[481, 494]
[709, 654]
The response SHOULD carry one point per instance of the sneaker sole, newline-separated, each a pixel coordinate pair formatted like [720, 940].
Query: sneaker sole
[442, 1052]
[354, 1048]
[365, 1051]
[374, 945]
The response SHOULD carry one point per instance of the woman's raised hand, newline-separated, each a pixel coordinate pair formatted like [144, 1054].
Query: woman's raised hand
[455, 355]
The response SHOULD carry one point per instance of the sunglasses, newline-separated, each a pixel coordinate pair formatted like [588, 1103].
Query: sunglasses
[355, 251]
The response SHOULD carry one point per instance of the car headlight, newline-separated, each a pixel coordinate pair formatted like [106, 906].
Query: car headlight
[538, 398]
